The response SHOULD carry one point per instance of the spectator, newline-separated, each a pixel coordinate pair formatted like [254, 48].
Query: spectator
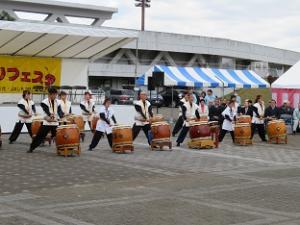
[296, 118]
[209, 97]
[237, 97]
[272, 112]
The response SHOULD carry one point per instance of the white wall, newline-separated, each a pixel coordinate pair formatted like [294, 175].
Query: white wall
[74, 72]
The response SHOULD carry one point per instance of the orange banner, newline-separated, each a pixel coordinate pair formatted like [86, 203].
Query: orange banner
[26, 73]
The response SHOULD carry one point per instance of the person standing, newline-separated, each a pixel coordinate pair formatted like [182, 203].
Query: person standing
[65, 105]
[296, 118]
[272, 111]
[26, 110]
[210, 97]
[203, 109]
[104, 125]
[87, 108]
[190, 111]
[179, 122]
[229, 115]
[50, 119]
[258, 118]
[215, 112]
[142, 117]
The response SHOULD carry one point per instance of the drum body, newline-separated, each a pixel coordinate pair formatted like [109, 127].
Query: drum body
[242, 132]
[200, 130]
[244, 119]
[35, 126]
[94, 122]
[122, 135]
[276, 128]
[161, 131]
[67, 136]
[78, 120]
[203, 118]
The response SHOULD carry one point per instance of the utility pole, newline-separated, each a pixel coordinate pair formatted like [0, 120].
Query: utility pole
[143, 4]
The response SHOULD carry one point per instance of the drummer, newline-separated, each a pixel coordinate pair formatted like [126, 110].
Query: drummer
[26, 110]
[258, 118]
[64, 105]
[272, 111]
[50, 120]
[142, 117]
[229, 115]
[179, 122]
[190, 111]
[87, 108]
[246, 110]
[203, 109]
[104, 125]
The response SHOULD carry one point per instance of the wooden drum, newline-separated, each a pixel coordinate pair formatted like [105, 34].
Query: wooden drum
[244, 119]
[200, 130]
[67, 136]
[35, 126]
[122, 135]
[94, 122]
[276, 129]
[78, 120]
[242, 134]
[161, 131]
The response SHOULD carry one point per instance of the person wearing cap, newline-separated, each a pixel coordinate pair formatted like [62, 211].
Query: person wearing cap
[26, 110]
[65, 105]
[179, 122]
[87, 108]
[104, 124]
[296, 118]
[143, 115]
[50, 119]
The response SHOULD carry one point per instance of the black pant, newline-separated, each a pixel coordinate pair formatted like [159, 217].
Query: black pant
[17, 130]
[136, 130]
[261, 131]
[178, 125]
[96, 138]
[40, 136]
[223, 133]
[182, 134]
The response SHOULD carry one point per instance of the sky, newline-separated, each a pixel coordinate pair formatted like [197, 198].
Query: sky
[273, 23]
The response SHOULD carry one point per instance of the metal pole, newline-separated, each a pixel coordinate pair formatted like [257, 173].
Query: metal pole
[143, 16]
[172, 115]
[136, 66]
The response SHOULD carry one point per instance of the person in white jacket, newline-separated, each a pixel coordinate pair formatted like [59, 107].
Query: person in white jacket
[296, 118]
[229, 115]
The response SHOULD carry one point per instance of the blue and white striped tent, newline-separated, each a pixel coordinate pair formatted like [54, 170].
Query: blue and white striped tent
[206, 77]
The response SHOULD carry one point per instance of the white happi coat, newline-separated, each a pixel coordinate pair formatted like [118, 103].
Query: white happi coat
[28, 106]
[180, 109]
[190, 112]
[101, 124]
[145, 109]
[261, 112]
[203, 112]
[228, 125]
[65, 107]
[53, 110]
[89, 107]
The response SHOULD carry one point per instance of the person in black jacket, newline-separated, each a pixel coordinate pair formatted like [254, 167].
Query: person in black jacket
[215, 111]
[180, 121]
[272, 112]
[247, 109]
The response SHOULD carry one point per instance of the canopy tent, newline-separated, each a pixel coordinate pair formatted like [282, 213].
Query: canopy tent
[60, 40]
[287, 86]
[205, 77]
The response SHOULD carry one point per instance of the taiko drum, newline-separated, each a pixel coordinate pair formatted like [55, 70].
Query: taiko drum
[122, 135]
[242, 132]
[161, 131]
[200, 130]
[67, 135]
[276, 128]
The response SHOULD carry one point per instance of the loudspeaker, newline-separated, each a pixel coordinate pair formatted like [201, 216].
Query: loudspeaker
[158, 78]
[151, 85]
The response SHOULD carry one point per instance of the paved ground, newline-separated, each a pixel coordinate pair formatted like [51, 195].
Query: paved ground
[231, 185]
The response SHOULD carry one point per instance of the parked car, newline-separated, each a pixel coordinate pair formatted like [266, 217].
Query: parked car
[121, 96]
[156, 99]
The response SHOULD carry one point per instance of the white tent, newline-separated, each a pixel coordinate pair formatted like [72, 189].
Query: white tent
[287, 86]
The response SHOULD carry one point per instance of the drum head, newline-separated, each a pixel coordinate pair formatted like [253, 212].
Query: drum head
[118, 127]
[242, 125]
[159, 123]
[67, 126]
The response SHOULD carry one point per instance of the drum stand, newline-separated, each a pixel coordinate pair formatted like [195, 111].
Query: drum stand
[68, 150]
[122, 148]
[282, 139]
[206, 143]
[160, 143]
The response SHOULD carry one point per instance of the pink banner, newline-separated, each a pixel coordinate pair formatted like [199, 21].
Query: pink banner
[291, 95]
